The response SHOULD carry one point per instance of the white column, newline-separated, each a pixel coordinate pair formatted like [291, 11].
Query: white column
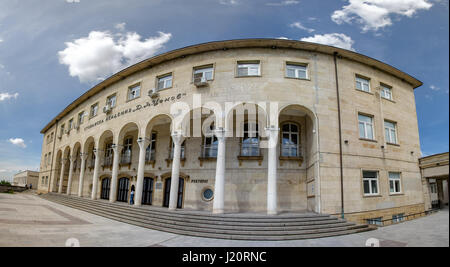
[272, 134]
[219, 188]
[83, 157]
[96, 171]
[176, 139]
[61, 176]
[140, 174]
[115, 173]
[69, 183]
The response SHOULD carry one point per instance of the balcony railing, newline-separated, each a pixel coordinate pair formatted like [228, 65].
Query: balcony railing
[209, 152]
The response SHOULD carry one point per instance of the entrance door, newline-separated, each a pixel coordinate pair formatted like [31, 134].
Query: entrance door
[147, 191]
[122, 194]
[167, 193]
[106, 183]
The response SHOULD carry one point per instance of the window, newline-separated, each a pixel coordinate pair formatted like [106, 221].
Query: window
[165, 81]
[111, 101]
[46, 180]
[150, 153]
[172, 147]
[396, 218]
[250, 141]
[433, 188]
[390, 132]
[365, 127]
[45, 160]
[205, 73]
[70, 125]
[80, 118]
[62, 130]
[134, 92]
[94, 110]
[248, 69]
[210, 144]
[362, 84]
[108, 155]
[370, 182]
[49, 162]
[375, 221]
[290, 140]
[126, 151]
[394, 183]
[296, 71]
[207, 194]
[51, 137]
[386, 92]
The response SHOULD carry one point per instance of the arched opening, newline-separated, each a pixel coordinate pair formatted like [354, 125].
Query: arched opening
[128, 148]
[158, 136]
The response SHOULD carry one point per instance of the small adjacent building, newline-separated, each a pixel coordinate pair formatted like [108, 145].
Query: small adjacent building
[435, 171]
[26, 178]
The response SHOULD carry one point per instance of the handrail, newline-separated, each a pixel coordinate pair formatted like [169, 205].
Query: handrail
[426, 212]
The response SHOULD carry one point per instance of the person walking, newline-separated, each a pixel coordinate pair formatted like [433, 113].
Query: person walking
[132, 195]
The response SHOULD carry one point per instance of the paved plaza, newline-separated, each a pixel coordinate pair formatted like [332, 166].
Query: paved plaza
[27, 220]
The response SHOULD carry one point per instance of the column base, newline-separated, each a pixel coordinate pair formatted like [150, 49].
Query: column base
[272, 212]
[221, 211]
[137, 204]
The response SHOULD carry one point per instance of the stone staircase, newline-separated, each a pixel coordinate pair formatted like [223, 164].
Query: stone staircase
[238, 226]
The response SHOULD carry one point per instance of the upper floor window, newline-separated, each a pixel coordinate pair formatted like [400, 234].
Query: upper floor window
[94, 110]
[370, 182]
[134, 91]
[61, 132]
[298, 71]
[390, 130]
[126, 151]
[49, 158]
[394, 183]
[365, 127]
[81, 118]
[290, 140]
[204, 73]
[250, 141]
[45, 160]
[210, 144]
[362, 84]
[70, 124]
[248, 69]
[111, 101]
[386, 92]
[150, 153]
[165, 81]
[172, 147]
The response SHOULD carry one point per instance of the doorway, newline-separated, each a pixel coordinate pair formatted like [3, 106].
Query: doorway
[122, 194]
[167, 183]
[106, 184]
[147, 191]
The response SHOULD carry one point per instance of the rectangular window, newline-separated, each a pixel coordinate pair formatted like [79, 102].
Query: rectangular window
[81, 118]
[362, 84]
[396, 218]
[94, 110]
[390, 130]
[365, 127]
[250, 141]
[165, 81]
[203, 73]
[394, 183]
[375, 221]
[296, 71]
[62, 130]
[134, 92]
[386, 92]
[70, 125]
[150, 153]
[49, 162]
[433, 188]
[111, 101]
[248, 69]
[370, 183]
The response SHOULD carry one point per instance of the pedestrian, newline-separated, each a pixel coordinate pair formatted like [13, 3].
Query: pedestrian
[132, 195]
[31, 186]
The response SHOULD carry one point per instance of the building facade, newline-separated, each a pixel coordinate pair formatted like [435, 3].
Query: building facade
[26, 178]
[245, 126]
[435, 173]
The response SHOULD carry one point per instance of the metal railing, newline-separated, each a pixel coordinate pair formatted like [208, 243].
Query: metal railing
[404, 218]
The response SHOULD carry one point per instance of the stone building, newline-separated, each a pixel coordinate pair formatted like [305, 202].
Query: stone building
[435, 171]
[26, 178]
[255, 125]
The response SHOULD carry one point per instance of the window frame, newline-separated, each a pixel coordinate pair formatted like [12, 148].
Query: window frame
[299, 154]
[130, 88]
[370, 180]
[203, 67]
[382, 90]
[109, 98]
[390, 129]
[372, 124]
[361, 77]
[91, 114]
[163, 76]
[213, 145]
[150, 150]
[81, 116]
[297, 64]
[251, 146]
[395, 179]
[248, 62]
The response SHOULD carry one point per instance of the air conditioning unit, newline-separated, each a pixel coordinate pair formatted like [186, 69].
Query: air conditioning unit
[153, 93]
[200, 80]
[107, 109]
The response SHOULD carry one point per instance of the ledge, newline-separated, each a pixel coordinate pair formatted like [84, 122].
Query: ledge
[368, 140]
[169, 161]
[124, 164]
[151, 162]
[369, 196]
[250, 158]
[299, 159]
[208, 159]
[392, 144]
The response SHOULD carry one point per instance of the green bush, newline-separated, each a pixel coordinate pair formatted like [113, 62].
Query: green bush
[3, 182]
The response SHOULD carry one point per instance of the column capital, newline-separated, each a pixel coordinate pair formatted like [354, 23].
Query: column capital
[220, 133]
[84, 156]
[177, 137]
[143, 142]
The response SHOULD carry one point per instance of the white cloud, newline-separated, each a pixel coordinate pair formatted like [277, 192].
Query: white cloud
[300, 26]
[229, 2]
[101, 54]
[283, 38]
[5, 96]
[284, 3]
[120, 26]
[73, 1]
[18, 142]
[376, 14]
[334, 39]
[434, 88]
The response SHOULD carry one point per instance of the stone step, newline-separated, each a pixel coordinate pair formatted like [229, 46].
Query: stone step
[213, 228]
[198, 219]
[206, 224]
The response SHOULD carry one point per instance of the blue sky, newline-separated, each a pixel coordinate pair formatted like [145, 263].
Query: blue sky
[41, 71]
